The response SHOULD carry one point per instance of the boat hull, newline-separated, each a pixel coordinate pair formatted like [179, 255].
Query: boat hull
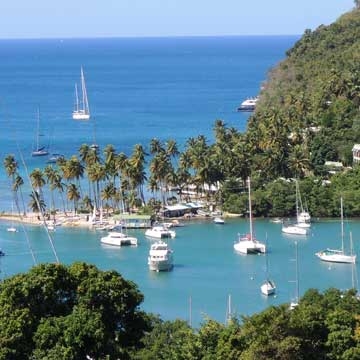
[268, 288]
[80, 116]
[119, 239]
[336, 257]
[164, 265]
[294, 230]
[249, 247]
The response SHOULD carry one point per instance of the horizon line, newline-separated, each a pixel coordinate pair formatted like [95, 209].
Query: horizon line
[144, 37]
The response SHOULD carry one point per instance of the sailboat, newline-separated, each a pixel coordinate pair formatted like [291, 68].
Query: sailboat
[268, 287]
[81, 109]
[248, 244]
[40, 150]
[302, 216]
[335, 255]
[302, 224]
[295, 302]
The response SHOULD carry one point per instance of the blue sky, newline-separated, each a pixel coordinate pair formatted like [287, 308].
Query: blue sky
[119, 18]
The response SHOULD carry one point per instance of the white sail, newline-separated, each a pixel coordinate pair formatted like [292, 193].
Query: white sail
[81, 107]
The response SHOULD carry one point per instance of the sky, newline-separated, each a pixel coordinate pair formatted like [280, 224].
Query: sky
[139, 18]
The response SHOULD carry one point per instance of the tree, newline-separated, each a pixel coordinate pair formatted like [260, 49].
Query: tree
[70, 312]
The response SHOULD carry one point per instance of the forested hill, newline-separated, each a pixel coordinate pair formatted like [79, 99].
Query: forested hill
[308, 111]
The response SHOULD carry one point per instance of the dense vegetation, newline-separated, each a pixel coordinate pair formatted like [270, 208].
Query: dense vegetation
[307, 114]
[78, 312]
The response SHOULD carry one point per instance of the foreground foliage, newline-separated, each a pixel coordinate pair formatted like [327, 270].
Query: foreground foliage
[59, 312]
[77, 311]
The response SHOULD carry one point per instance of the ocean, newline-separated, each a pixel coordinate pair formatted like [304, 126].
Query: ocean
[140, 89]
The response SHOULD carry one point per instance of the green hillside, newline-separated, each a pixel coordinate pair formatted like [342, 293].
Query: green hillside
[308, 111]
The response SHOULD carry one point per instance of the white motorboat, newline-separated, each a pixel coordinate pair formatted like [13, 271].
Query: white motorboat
[248, 104]
[294, 229]
[81, 109]
[160, 232]
[160, 257]
[54, 158]
[339, 256]
[219, 220]
[11, 229]
[332, 255]
[247, 244]
[118, 238]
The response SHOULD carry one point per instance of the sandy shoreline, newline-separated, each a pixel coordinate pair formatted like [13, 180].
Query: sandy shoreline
[82, 220]
[60, 219]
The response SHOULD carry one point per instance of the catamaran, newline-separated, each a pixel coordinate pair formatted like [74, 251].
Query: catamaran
[81, 110]
[248, 244]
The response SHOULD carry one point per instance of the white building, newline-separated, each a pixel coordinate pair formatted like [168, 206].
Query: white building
[356, 153]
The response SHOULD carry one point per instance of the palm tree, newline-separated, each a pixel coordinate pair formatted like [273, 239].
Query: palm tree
[137, 170]
[18, 182]
[50, 174]
[96, 173]
[37, 204]
[73, 194]
[156, 146]
[37, 181]
[108, 193]
[11, 167]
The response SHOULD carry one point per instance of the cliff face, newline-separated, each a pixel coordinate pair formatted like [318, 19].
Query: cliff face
[312, 99]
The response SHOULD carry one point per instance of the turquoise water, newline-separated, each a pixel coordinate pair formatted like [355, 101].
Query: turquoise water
[206, 270]
[140, 89]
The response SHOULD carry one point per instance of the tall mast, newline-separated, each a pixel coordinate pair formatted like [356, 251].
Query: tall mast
[297, 272]
[342, 224]
[250, 210]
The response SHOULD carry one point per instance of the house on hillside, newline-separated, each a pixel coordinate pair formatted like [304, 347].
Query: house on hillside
[356, 153]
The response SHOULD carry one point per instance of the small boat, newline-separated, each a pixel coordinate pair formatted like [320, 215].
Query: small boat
[248, 244]
[276, 220]
[268, 287]
[39, 150]
[160, 232]
[338, 256]
[54, 158]
[303, 217]
[2, 253]
[248, 104]
[294, 229]
[118, 238]
[81, 107]
[160, 257]
[219, 220]
[11, 229]
[295, 302]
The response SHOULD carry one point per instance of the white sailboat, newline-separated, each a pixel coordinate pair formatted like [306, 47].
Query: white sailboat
[248, 244]
[302, 224]
[338, 255]
[81, 107]
[268, 287]
[39, 150]
[302, 216]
